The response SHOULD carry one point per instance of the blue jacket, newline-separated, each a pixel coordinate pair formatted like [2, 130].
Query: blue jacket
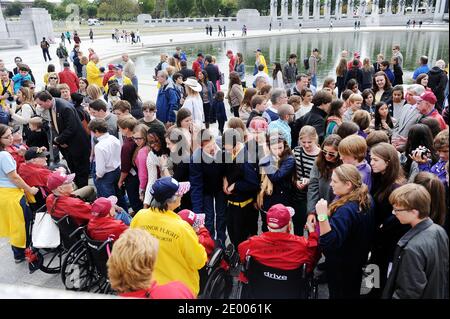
[390, 75]
[206, 177]
[421, 69]
[218, 112]
[281, 179]
[166, 104]
[18, 80]
[211, 91]
[346, 247]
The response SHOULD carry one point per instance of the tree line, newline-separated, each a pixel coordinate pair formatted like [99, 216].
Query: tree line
[129, 9]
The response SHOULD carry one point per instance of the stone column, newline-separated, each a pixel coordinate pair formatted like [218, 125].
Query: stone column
[3, 30]
[375, 7]
[388, 10]
[305, 9]
[401, 7]
[295, 4]
[362, 8]
[350, 9]
[327, 9]
[439, 10]
[415, 5]
[338, 9]
[284, 10]
[273, 9]
[316, 11]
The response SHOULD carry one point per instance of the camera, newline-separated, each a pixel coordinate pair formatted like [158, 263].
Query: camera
[424, 152]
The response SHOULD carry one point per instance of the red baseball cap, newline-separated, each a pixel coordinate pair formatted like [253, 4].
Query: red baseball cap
[57, 179]
[102, 206]
[193, 219]
[279, 216]
[356, 54]
[229, 52]
[426, 96]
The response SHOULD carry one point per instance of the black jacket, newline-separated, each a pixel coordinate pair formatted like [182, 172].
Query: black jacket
[398, 75]
[187, 73]
[71, 131]
[437, 80]
[386, 96]
[354, 74]
[316, 118]
[253, 114]
[213, 74]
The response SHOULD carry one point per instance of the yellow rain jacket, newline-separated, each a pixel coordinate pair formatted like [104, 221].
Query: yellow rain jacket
[12, 222]
[180, 254]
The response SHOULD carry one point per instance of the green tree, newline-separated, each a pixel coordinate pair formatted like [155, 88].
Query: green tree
[184, 7]
[44, 4]
[14, 9]
[59, 13]
[228, 8]
[211, 6]
[105, 11]
[91, 10]
[146, 6]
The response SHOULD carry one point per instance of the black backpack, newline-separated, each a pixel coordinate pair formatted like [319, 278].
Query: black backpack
[158, 68]
[306, 63]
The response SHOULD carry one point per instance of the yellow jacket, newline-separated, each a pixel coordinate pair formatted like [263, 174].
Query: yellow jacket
[10, 90]
[94, 76]
[180, 254]
[12, 222]
[126, 81]
[262, 61]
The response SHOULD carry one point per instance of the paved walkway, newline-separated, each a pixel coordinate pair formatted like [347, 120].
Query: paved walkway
[108, 49]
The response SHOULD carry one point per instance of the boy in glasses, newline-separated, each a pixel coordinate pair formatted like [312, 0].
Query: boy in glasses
[420, 267]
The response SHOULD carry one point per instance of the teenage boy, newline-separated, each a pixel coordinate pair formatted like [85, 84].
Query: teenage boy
[352, 150]
[420, 267]
[149, 119]
[259, 106]
[354, 103]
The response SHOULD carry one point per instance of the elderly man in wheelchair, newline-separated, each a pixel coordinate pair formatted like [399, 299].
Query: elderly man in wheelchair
[278, 264]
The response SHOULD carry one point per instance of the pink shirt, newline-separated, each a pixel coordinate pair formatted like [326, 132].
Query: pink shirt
[141, 164]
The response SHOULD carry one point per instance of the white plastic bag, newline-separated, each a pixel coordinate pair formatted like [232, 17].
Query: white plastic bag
[45, 233]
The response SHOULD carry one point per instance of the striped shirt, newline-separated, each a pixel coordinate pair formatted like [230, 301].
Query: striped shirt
[303, 166]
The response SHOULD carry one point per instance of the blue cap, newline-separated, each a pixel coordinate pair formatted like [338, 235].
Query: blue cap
[166, 187]
[118, 66]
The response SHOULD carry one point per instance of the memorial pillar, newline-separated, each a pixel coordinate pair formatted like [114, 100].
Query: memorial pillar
[327, 9]
[3, 30]
[305, 9]
[284, 10]
[401, 7]
[316, 12]
[338, 9]
[295, 4]
[273, 9]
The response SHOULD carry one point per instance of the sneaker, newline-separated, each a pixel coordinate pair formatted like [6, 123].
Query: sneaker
[19, 260]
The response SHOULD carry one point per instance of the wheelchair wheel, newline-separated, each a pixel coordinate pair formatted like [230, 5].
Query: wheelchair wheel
[76, 271]
[52, 260]
[218, 285]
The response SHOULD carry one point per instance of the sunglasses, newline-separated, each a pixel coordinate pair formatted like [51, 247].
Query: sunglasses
[53, 78]
[326, 153]
[137, 138]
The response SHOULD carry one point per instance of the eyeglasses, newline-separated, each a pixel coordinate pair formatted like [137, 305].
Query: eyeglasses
[52, 78]
[137, 138]
[395, 211]
[326, 153]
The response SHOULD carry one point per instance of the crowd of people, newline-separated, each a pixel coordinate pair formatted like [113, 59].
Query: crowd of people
[354, 170]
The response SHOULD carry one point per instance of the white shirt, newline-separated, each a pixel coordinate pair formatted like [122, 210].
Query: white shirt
[195, 105]
[265, 75]
[303, 110]
[107, 154]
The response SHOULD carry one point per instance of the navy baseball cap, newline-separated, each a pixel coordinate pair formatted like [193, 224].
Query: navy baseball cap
[118, 66]
[166, 187]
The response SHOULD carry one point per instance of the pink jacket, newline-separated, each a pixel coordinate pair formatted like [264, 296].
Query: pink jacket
[141, 164]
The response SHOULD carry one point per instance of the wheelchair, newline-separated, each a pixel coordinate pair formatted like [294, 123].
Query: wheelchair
[219, 273]
[270, 283]
[84, 267]
[49, 260]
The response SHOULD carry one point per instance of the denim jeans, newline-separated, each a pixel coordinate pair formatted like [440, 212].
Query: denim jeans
[19, 253]
[314, 80]
[215, 220]
[107, 186]
[132, 188]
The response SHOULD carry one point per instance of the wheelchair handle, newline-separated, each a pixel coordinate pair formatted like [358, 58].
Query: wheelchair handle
[76, 231]
[104, 244]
